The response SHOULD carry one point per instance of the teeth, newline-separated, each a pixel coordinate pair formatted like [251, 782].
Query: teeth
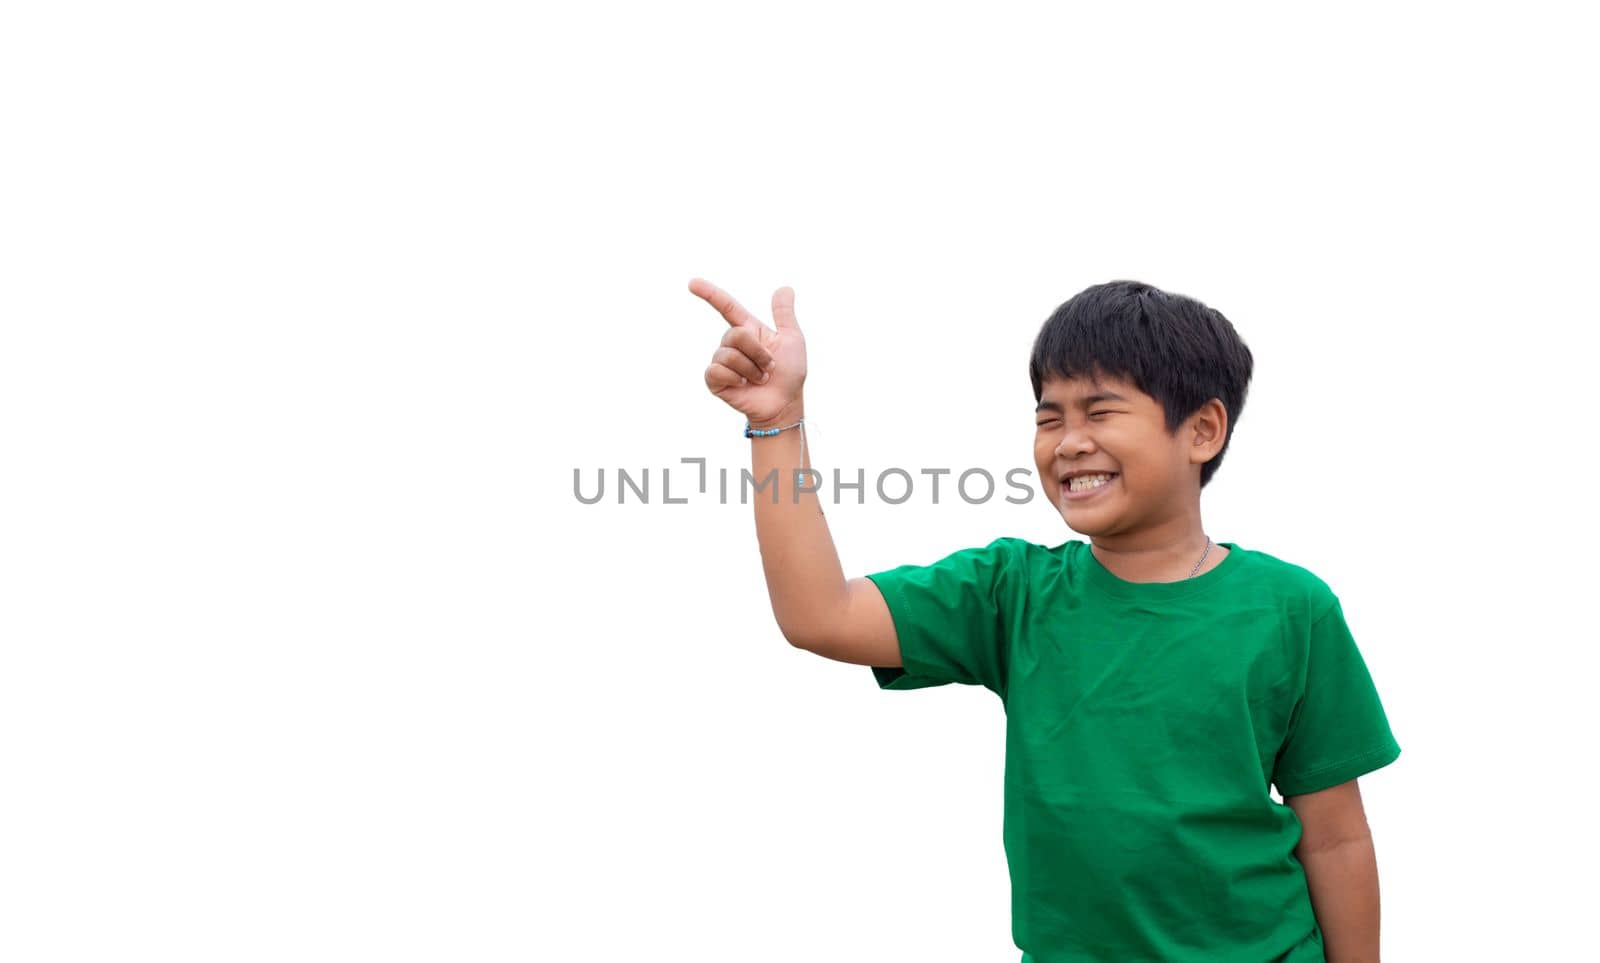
[1086, 482]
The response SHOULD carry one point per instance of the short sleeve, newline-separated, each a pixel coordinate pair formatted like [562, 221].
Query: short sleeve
[950, 617]
[1338, 730]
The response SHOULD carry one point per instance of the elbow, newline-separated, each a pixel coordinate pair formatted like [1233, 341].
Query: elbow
[809, 637]
[801, 633]
[799, 639]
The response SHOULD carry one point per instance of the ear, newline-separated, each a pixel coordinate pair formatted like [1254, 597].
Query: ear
[1208, 429]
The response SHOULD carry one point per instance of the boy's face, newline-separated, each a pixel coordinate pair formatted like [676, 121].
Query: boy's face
[1108, 425]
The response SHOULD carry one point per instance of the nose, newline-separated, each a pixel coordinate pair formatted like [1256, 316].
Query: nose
[1072, 443]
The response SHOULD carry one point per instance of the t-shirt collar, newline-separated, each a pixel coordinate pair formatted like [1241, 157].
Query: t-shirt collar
[1083, 561]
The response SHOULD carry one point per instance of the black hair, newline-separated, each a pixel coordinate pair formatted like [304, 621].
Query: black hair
[1171, 347]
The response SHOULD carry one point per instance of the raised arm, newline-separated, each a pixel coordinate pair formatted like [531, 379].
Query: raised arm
[760, 372]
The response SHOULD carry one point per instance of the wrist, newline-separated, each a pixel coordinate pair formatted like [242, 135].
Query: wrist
[788, 415]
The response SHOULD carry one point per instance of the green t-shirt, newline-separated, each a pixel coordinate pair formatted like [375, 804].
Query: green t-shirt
[1144, 723]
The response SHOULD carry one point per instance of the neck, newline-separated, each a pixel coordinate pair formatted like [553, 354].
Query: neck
[1148, 557]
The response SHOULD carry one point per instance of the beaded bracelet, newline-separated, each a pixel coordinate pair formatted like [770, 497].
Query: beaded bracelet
[766, 432]
[752, 432]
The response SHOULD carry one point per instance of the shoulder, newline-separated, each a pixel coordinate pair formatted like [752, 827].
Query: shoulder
[1016, 564]
[1300, 591]
[1011, 558]
[998, 560]
[1040, 569]
[1027, 556]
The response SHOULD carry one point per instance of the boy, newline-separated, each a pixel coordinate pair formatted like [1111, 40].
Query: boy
[1155, 682]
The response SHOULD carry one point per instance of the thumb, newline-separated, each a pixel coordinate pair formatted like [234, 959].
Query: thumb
[783, 308]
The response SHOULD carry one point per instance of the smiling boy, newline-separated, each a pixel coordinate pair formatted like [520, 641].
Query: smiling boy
[1156, 683]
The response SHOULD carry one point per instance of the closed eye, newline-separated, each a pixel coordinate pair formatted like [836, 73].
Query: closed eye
[1056, 421]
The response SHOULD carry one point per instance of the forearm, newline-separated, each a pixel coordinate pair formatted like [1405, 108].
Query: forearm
[1343, 880]
[805, 580]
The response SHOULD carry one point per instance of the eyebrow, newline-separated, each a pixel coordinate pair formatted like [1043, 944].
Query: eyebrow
[1086, 402]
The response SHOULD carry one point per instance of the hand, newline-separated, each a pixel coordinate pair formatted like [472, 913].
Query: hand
[751, 351]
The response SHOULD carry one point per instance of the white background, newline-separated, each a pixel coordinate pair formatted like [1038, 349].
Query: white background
[310, 311]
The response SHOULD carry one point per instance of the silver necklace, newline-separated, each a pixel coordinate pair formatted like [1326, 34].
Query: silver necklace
[1203, 557]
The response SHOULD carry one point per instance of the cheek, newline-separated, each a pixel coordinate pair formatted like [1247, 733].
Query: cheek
[1044, 463]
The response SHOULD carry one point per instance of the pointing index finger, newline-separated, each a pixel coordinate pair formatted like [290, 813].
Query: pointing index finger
[730, 309]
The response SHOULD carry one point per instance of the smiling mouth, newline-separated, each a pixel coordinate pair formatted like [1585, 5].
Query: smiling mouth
[1075, 494]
